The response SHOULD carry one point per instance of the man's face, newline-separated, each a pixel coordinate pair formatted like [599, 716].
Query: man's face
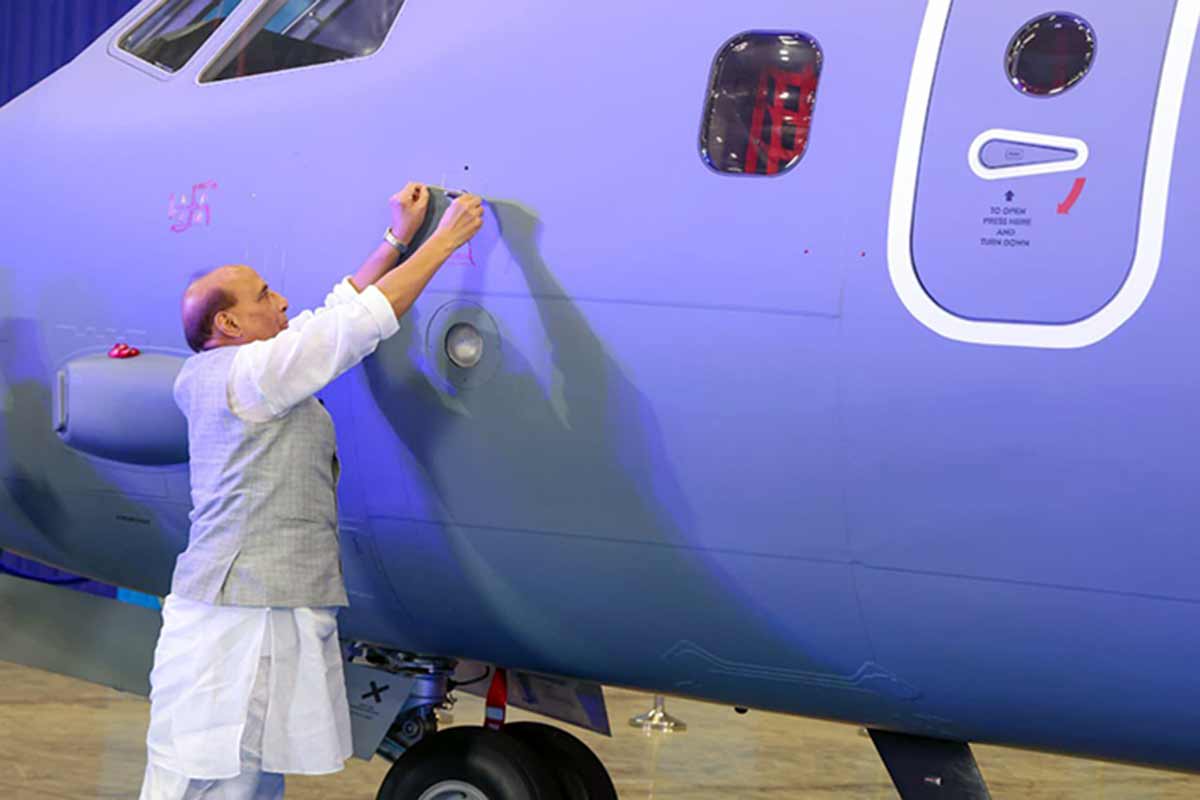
[259, 312]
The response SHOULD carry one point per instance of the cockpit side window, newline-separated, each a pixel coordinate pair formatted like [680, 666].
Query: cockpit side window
[286, 34]
[172, 33]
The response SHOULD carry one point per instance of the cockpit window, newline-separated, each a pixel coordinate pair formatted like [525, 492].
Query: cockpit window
[175, 30]
[760, 103]
[286, 34]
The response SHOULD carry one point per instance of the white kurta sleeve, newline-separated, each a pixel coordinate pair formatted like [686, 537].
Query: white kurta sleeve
[269, 377]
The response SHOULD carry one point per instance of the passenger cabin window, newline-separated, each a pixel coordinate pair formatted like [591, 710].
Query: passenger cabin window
[287, 34]
[1050, 54]
[173, 32]
[760, 103]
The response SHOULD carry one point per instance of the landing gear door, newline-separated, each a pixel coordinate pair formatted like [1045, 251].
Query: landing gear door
[376, 698]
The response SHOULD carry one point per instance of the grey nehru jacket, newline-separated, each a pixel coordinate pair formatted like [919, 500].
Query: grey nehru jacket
[264, 496]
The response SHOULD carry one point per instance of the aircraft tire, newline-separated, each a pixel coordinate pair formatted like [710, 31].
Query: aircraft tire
[580, 773]
[471, 762]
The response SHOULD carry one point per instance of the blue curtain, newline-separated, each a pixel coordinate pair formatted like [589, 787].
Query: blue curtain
[36, 38]
[39, 36]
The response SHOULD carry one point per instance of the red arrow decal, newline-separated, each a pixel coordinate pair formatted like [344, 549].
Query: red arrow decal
[1065, 206]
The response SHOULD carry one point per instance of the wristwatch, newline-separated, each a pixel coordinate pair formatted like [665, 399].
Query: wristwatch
[391, 239]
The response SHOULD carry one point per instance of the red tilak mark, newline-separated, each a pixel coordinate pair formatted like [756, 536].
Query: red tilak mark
[1065, 206]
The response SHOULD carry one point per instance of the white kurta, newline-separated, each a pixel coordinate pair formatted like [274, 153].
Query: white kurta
[201, 691]
[223, 674]
[269, 377]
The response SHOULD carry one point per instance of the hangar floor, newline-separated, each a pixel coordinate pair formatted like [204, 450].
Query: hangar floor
[65, 739]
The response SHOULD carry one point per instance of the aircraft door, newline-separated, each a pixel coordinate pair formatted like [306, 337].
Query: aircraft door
[1038, 177]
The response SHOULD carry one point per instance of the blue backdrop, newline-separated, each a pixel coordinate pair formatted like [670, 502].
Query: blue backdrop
[39, 36]
[36, 38]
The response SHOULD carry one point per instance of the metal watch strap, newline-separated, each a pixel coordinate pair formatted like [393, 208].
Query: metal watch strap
[399, 246]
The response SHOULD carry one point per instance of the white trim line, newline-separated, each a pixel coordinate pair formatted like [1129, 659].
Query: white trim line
[1022, 170]
[1155, 189]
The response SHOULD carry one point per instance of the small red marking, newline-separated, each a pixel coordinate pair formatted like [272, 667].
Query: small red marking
[497, 700]
[463, 257]
[122, 350]
[1077, 189]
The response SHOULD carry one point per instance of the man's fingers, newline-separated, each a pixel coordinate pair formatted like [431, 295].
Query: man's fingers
[470, 202]
[412, 192]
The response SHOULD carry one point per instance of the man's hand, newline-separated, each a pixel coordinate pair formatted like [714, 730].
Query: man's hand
[408, 211]
[462, 220]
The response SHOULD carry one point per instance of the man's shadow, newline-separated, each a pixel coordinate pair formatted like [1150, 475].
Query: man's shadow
[582, 461]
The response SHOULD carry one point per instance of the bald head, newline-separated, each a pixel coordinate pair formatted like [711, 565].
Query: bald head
[231, 305]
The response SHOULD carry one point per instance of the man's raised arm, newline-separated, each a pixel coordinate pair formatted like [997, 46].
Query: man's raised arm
[408, 212]
[271, 376]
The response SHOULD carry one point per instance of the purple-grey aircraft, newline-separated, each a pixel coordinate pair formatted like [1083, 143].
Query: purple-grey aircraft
[838, 359]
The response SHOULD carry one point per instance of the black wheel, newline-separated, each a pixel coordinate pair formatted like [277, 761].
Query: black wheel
[469, 764]
[580, 774]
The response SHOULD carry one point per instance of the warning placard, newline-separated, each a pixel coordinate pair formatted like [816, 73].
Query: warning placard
[376, 698]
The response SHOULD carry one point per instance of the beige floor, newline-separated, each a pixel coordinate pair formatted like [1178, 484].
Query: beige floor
[64, 739]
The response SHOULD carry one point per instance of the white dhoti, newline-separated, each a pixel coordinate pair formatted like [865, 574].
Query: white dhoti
[241, 696]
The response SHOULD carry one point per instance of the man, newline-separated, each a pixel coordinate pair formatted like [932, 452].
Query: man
[247, 682]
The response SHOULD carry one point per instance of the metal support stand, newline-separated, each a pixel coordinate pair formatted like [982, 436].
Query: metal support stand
[657, 718]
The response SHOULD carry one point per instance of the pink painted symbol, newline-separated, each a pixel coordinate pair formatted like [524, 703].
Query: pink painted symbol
[184, 212]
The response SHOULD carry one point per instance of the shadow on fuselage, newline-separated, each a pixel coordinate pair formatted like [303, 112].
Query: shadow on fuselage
[607, 571]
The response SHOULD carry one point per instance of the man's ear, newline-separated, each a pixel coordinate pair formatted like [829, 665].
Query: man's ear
[225, 324]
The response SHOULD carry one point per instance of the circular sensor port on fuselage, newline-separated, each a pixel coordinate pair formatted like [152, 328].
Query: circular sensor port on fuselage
[464, 345]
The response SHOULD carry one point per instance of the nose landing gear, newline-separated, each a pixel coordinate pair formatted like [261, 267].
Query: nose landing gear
[521, 761]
